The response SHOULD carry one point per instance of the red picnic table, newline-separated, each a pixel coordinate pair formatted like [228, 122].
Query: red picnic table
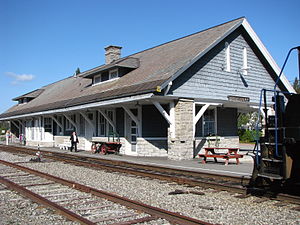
[232, 153]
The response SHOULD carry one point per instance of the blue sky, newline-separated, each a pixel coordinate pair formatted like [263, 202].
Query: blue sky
[43, 41]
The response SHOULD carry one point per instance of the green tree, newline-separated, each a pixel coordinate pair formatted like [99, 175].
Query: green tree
[296, 85]
[77, 71]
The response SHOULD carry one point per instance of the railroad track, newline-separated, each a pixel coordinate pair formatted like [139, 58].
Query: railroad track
[191, 178]
[81, 203]
[205, 180]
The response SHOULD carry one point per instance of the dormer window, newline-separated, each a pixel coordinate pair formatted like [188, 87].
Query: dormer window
[24, 100]
[113, 74]
[105, 76]
[97, 79]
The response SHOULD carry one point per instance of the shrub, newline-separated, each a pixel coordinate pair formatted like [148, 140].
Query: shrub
[247, 135]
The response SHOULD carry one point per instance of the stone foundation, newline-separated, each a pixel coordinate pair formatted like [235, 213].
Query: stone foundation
[49, 144]
[82, 145]
[156, 147]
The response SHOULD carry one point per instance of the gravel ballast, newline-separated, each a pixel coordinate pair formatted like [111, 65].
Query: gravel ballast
[215, 207]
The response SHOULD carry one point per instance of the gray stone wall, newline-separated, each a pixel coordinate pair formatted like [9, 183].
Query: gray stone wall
[152, 147]
[181, 147]
[40, 143]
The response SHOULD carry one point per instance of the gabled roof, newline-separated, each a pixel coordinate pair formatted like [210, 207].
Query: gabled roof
[153, 67]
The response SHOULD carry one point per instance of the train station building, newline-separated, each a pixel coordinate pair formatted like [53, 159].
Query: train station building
[169, 100]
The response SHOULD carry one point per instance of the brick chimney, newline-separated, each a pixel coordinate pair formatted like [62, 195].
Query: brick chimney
[112, 53]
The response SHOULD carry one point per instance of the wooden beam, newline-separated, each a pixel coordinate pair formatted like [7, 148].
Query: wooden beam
[200, 113]
[15, 124]
[22, 123]
[71, 121]
[57, 122]
[163, 112]
[107, 118]
[88, 120]
[134, 118]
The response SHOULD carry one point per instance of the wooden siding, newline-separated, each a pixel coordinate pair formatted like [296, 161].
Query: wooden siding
[207, 78]
[154, 125]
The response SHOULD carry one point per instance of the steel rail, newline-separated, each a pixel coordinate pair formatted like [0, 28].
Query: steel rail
[39, 199]
[172, 217]
[135, 165]
[162, 173]
[155, 172]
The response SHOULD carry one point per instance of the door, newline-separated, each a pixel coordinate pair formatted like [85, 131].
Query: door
[132, 133]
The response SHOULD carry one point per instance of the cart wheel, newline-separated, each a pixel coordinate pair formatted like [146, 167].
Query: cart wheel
[104, 149]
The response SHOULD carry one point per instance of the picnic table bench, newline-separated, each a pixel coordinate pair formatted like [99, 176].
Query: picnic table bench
[232, 153]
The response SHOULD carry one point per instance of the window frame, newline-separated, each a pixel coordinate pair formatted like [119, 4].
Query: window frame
[48, 126]
[214, 121]
[97, 76]
[245, 61]
[227, 57]
[111, 72]
[104, 126]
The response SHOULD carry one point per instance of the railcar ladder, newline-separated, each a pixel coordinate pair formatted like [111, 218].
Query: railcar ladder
[272, 148]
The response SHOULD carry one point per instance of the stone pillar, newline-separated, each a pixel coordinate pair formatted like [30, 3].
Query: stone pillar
[181, 147]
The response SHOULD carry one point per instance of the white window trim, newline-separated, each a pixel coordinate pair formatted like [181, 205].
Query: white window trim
[245, 62]
[94, 78]
[105, 122]
[51, 123]
[103, 82]
[113, 119]
[112, 71]
[227, 57]
[215, 114]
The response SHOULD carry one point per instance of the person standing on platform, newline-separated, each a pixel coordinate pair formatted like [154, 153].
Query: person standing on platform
[8, 136]
[74, 141]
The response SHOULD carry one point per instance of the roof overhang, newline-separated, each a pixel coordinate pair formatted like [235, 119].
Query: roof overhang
[83, 106]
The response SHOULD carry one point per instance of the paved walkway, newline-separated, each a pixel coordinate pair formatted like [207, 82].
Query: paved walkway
[243, 169]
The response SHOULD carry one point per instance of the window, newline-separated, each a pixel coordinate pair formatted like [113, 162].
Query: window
[69, 125]
[110, 114]
[113, 74]
[104, 127]
[48, 124]
[105, 76]
[227, 57]
[209, 127]
[245, 62]
[97, 79]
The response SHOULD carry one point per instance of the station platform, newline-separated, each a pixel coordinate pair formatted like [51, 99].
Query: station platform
[244, 169]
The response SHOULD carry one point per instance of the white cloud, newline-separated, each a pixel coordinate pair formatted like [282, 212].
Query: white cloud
[18, 78]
